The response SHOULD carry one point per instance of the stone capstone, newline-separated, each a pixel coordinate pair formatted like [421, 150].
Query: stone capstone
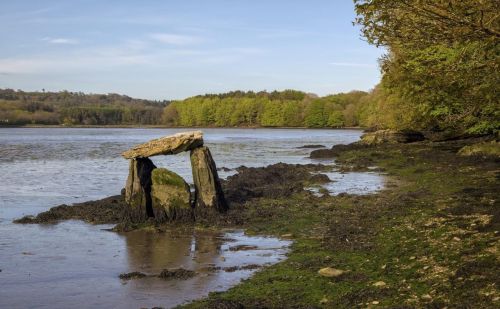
[167, 145]
[208, 190]
[171, 196]
[138, 189]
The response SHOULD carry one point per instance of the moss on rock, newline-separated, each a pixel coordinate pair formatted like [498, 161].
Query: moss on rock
[171, 196]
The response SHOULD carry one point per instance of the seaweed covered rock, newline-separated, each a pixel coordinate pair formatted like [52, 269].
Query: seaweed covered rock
[170, 195]
[138, 190]
[208, 190]
[274, 181]
[486, 149]
[391, 137]
[335, 151]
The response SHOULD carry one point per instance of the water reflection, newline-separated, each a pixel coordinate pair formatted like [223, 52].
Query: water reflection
[209, 254]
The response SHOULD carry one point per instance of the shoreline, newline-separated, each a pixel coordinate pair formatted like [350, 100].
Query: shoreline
[428, 239]
[167, 127]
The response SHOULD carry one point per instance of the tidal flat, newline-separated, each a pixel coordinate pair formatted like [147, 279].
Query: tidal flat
[65, 259]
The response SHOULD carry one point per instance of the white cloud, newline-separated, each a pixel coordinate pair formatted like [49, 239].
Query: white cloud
[79, 62]
[60, 41]
[353, 64]
[174, 39]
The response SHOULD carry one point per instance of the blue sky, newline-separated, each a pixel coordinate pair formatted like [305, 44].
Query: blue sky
[175, 49]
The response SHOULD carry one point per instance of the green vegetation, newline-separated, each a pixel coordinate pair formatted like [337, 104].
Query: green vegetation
[70, 108]
[429, 240]
[287, 108]
[442, 70]
[162, 176]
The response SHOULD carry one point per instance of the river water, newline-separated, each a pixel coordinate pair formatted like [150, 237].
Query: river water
[73, 264]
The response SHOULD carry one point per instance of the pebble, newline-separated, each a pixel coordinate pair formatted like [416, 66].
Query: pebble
[456, 239]
[331, 272]
[379, 284]
[426, 297]
[375, 302]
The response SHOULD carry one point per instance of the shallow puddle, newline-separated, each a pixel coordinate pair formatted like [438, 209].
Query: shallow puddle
[351, 183]
[87, 261]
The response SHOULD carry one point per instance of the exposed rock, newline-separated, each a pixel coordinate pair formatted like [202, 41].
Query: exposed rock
[107, 210]
[208, 190]
[379, 284]
[274, 181]
[179, 273]
[331, 272]
[391, 137]
[132, 275]
[320, 178]
[335, 150]
[487, 149]
[170, 195]
[138, 190]
[311, 146]
[167, 145]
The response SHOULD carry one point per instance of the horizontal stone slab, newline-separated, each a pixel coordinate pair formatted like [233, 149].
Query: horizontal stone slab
[167, 145]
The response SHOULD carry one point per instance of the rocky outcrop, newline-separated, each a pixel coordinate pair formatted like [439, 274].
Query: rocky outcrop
[391, 137]
[167, 145]
[162, 194]
[208, 190]
[171, 196]
[482, 149]
[138, 190]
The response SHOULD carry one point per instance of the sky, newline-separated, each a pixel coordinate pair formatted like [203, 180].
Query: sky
[175, 49]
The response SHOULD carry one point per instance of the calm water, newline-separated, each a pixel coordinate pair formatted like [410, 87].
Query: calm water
[73, 263]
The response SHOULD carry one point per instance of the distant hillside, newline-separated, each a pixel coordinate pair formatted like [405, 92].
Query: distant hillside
[76, 108]
[288, 108]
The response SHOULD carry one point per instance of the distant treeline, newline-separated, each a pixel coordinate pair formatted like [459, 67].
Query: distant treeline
[289, 108]
[76, 108]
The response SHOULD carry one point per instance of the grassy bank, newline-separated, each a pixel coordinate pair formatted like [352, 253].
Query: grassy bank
[430, 239]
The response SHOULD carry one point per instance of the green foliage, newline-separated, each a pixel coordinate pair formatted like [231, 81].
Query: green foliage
[69, 108]
[288, 108]
[443, 65]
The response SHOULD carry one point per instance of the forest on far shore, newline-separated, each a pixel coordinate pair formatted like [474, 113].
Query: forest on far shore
[289, 108]
[76, 108]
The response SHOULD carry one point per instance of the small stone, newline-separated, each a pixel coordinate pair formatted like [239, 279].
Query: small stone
[375, 302]
[426, 297]
[412, 257]
[323, 301]
[456, 239]
[331, 272]
[379, 284]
